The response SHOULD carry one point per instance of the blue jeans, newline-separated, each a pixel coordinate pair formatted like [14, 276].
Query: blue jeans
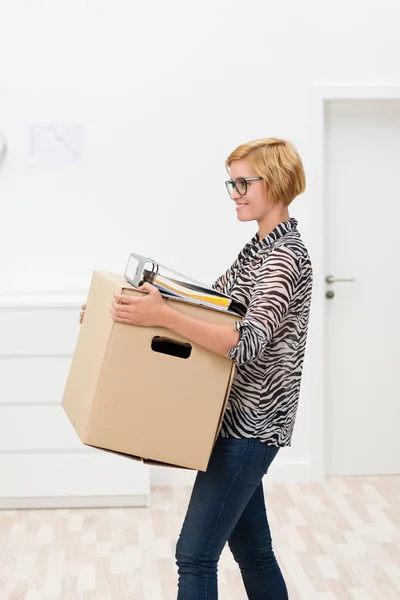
[227, 505]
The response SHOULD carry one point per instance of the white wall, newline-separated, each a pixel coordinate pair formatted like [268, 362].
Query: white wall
[165, 91]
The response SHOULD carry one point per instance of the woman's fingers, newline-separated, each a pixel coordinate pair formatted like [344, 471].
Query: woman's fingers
[82, 313]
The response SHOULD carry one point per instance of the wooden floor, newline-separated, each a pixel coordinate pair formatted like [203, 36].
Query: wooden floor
[337, 541]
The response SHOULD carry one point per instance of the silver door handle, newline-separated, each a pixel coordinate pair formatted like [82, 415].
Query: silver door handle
[331, 279]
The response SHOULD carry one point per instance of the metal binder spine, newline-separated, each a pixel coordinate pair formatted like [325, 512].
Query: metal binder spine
[136, 266]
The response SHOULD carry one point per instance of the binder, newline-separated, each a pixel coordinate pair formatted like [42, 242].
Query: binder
[173, 284]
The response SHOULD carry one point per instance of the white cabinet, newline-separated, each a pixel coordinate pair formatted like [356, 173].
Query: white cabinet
[42, 461]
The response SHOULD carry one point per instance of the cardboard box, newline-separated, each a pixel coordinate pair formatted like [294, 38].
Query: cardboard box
[143, 391]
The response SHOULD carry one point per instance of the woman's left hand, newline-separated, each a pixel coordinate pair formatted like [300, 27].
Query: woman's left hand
[149, 311]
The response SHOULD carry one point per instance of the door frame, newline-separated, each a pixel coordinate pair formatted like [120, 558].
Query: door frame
[319, 96]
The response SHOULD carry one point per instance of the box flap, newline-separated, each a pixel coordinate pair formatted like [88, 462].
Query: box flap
[146, 461]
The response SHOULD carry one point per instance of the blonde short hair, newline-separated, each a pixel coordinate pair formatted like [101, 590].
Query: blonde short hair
[278, 163]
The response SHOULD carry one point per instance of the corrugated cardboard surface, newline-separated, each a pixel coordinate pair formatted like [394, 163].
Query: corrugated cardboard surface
[124, 397]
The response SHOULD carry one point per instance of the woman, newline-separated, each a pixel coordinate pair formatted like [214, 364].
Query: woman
[272, 279]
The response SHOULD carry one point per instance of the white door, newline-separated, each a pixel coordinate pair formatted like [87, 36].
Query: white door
[362, 236]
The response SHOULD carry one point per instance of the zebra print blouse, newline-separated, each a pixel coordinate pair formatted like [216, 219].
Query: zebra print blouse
[271, 280]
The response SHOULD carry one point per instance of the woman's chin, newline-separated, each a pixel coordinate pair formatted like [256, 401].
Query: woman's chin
[244, 218]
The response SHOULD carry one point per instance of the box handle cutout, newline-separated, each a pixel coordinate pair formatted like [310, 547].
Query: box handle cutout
[166, 345]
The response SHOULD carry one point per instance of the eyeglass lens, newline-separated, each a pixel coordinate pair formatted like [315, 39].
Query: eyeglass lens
[240, 185]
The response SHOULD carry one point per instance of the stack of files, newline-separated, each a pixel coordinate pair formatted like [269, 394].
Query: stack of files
[187, 290]
[172, 284]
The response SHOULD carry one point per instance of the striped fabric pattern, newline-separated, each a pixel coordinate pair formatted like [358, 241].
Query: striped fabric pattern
[271, 285]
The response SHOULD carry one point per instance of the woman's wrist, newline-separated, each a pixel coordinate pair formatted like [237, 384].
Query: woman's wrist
[170, 318]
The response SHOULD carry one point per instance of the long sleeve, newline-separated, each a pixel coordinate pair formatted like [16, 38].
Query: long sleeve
[221, 282]
[273, 291]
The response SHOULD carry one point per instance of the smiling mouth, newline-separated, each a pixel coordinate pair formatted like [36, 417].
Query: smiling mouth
[240, 206]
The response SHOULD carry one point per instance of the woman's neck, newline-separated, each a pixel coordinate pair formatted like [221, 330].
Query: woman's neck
[278, 214]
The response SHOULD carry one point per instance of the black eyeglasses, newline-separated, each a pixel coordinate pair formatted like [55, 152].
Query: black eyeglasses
[240, 185]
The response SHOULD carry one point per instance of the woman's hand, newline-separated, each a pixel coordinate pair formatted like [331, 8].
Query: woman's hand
[149, 311]
[82, 314]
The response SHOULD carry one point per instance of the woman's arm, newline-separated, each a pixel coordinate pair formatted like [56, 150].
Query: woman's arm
[211, 336]
[242, 341]
[269, 303]
[246, 340]
[152, 311]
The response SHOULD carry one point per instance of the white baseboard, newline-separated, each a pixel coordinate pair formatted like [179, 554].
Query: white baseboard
[280, 472]
[75, 502]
